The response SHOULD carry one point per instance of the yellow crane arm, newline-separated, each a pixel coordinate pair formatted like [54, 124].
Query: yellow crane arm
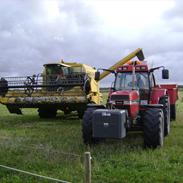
[138, 52]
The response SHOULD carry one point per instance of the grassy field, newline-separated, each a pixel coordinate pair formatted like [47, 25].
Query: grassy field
[41, 146]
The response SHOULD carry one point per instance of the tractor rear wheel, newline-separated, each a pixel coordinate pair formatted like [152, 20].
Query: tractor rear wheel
[166, 111]
[153, 128]
[47, 112]
[87, 127]
[173, 112]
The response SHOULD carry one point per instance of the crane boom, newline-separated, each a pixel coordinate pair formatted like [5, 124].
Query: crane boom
[138, 52]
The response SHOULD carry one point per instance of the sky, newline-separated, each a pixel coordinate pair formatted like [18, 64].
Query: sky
[94, 32]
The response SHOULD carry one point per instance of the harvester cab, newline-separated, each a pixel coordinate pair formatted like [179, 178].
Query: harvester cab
[54, 73]
[135, 103]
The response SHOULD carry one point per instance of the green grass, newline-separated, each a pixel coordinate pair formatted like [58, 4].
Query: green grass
[36, 145]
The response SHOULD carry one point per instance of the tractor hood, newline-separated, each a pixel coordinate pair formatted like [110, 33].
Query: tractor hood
[125, 95]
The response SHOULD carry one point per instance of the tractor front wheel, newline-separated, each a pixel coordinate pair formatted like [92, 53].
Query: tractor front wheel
[153, 120]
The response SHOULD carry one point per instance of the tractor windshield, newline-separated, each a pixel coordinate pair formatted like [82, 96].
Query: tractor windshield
[126, 81]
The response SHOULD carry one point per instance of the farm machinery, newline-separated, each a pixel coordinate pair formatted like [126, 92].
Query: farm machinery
[135, 103]
[66, 86]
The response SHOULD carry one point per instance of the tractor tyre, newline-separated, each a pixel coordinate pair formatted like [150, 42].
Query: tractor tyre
[153, 120]
[173, 112]
[47, 113]
[87, 127]
[166, 112]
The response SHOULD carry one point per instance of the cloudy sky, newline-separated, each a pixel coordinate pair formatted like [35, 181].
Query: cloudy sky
[95, 32]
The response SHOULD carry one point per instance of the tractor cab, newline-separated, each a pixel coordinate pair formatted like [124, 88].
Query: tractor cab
[133, 78]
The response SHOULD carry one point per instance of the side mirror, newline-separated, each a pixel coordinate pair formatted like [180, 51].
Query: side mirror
[97, 76]
[165, 74]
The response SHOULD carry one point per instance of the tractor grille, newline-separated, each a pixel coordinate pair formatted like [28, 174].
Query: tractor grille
[119, 97]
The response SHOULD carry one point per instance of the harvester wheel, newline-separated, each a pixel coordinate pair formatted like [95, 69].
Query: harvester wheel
[173, 112]
[153, 128]
[166, 111]
[47, 113]
[87, 127]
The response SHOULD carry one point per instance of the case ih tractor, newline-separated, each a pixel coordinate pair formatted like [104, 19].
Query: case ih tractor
[66, 86]
[135, 103]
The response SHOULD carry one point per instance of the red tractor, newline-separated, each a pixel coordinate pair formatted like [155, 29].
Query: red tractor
[135, 103]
